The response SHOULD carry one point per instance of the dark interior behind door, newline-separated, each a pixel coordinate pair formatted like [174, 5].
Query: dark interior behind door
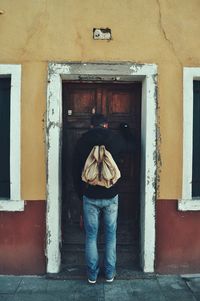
[120, 103]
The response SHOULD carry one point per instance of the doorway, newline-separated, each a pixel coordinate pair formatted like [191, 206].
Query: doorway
[119, 102]
[125, 72]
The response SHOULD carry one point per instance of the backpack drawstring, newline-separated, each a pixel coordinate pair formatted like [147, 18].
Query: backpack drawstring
[100, 162]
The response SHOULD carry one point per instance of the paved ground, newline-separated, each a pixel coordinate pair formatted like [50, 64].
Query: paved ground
[155, 288]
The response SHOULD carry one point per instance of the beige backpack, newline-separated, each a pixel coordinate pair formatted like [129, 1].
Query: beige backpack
[100, 168]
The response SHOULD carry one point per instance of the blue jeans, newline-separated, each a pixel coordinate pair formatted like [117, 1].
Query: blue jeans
[91, 210]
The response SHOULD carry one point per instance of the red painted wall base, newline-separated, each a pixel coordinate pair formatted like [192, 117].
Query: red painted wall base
[177, 239]
[22, 240]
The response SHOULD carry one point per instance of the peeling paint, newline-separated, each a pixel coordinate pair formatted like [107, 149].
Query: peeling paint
[157, 153]
[136, 67]
[55, 68]
[54, 124]
[48, 237]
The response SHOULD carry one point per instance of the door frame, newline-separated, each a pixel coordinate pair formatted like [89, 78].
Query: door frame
[104, 72]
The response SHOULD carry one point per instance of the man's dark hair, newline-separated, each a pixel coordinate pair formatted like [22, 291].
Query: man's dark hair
[98, 120]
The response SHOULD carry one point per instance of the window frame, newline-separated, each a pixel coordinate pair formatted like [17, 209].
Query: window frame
[14, 203]
[187, 202]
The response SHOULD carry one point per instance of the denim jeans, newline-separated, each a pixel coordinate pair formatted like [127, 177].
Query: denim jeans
[91, 210]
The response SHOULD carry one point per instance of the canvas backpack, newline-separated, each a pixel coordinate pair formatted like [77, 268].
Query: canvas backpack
[100, 168]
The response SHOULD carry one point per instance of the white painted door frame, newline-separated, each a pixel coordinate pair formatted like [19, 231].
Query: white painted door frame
[127, 72]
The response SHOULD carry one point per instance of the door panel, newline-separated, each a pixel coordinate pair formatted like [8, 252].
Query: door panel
[82, 101]
[120, 103]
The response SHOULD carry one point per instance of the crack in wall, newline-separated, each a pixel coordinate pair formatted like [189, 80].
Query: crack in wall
[164, 33]
[38, 25]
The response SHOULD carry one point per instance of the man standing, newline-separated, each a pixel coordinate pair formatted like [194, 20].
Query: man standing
[97, 199]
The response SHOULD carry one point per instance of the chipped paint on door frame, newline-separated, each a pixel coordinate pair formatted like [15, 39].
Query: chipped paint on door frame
[126, 72]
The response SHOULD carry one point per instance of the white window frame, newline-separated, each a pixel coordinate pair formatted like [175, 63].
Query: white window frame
[187, 202]
[14, 203]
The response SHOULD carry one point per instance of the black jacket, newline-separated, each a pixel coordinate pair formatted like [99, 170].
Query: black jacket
[114, 143]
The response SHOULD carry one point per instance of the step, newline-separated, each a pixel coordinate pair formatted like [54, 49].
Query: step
[79, 272]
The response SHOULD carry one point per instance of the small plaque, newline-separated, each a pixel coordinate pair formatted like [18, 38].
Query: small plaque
[102, 34]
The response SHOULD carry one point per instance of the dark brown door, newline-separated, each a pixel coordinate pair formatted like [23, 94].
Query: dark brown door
[120, 103]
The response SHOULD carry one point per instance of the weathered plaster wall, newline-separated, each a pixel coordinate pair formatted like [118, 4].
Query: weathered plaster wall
[154, 31]
[33, 130]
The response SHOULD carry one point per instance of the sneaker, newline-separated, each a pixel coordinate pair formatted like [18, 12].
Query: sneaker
[110, 280]
[91, 281]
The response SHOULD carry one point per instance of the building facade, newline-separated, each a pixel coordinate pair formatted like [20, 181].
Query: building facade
[135, 61]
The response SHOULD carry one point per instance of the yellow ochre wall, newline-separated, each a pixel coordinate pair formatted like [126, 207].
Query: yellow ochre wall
[164, 32]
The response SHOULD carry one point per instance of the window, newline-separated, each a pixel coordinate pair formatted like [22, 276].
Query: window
[10, 177]
[191, 140]
[5, 138]
[196, 141]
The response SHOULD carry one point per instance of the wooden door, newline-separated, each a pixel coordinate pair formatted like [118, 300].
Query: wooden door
[120, 103]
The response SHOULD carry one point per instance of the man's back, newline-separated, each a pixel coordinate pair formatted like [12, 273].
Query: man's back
[113, 142]
[99, 199]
